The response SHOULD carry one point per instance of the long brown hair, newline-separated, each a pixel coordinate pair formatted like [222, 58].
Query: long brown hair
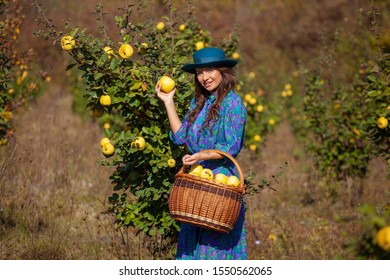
[227, 84]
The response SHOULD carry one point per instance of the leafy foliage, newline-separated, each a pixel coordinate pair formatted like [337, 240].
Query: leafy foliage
[337, 120]
[376, 89]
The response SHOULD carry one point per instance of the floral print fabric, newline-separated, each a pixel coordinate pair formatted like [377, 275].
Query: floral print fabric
[227, 135]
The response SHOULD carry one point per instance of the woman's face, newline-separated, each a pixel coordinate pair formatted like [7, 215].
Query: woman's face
[209, 77]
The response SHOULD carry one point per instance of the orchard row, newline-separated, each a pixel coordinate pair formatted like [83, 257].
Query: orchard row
[342, 126]
[19, 81]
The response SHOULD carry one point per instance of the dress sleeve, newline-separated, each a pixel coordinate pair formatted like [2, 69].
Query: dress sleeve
[179, 138]
[234, 119]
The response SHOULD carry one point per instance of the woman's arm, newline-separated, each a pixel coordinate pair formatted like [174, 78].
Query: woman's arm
[202, 155]
[173, 117]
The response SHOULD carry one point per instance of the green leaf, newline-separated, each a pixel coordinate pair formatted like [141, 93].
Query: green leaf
[127, 220]
[372, 78]
[156, 196]
[139, 224]
[97, 76]
[136, 85]
[112, 90]
[145, 129]
[107, 133]
[70, 66]
[116, 100]
[114, 63]
[113, 198]
[373, 93]
[149, 216]
[74, 31]
[180, 42]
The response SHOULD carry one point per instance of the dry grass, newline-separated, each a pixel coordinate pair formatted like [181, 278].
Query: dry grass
[306, 218]
[53, 191]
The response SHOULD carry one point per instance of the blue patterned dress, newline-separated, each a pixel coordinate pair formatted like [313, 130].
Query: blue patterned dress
[227, 135]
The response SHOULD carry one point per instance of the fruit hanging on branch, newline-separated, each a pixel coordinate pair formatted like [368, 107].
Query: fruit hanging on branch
[382, 122]
[126, 51]
[171, 163]
[105, 100]
[68, 43]
[108, 149]
[139, 143]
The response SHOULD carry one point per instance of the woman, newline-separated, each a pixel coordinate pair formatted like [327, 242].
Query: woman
[216, 120]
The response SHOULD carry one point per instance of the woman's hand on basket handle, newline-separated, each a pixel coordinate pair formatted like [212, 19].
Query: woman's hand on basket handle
[202, 155]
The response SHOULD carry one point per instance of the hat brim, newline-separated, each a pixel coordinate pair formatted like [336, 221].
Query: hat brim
[190, 68]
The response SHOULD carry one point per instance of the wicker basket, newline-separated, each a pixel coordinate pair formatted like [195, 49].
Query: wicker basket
[206, 203]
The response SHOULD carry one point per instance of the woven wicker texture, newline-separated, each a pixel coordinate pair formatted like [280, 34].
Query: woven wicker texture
[206, 203]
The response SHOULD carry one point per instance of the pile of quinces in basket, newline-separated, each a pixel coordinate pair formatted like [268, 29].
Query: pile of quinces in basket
[206, 173]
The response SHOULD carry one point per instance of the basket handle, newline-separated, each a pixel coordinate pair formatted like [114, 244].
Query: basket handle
[240, 174]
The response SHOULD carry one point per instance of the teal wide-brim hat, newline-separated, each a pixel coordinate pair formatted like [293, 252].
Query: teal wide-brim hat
[208, 57]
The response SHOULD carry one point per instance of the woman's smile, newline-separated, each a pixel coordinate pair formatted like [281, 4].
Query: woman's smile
[208, 84]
